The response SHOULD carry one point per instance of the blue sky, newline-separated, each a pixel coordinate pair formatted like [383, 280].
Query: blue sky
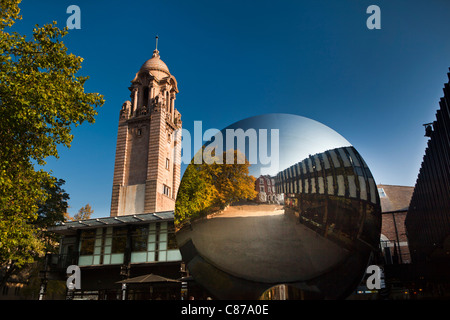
[238, 59]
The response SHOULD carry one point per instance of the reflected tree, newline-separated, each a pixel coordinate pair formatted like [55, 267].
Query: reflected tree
[208, 188]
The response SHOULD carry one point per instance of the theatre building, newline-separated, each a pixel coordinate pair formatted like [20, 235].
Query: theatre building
[113, 249]
[132, 253]
[334, 194]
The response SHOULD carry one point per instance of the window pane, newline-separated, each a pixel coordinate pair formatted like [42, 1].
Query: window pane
[317, 163]
[334, 158]
[353, 157]
[325, 161]
[107, 259]
[172, 241]
[341, 185]
[138, 257]
[330, 186]
[173, 255]
[117, 258]
[171, 238]
[87, 242]
[362, 188]
[352, 186]
[313, 185]
[344, 157]
[321, 186]
[119, 240]
[162, 256]
[85, 260]
[139, 238]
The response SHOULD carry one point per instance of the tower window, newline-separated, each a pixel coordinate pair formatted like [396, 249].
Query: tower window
[167, 163]
[145, 102]
[139, 132]
[166, 190]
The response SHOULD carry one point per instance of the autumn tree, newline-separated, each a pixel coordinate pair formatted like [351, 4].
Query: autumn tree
[41, 100]
[195, 195]
[84, 213]
[206, 188]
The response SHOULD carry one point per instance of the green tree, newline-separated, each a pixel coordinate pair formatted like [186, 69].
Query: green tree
[49, 213]
[41, 100]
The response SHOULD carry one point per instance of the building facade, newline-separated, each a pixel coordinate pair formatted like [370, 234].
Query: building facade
[419, 270]
[394, 206]
[334, 194]
[138, 238]
[428, 218]
[112, 249]
[265, 186]
[148, 151]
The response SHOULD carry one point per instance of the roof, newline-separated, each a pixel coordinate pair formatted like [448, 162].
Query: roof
[397, 198]
[70, 227]
[148, 278]
[156, 65]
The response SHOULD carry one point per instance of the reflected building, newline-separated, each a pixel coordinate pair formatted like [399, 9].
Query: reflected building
[316, 245]
[265, 186]
[334, 194]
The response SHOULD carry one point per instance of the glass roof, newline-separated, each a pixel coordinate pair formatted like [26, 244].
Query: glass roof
[70, 226]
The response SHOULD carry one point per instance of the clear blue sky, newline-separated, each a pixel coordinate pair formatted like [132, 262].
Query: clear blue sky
[237, 59]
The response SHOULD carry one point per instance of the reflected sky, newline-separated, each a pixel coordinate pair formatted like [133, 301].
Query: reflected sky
[276, 141]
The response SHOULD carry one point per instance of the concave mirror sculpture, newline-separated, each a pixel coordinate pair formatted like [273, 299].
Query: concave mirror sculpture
[277, 199]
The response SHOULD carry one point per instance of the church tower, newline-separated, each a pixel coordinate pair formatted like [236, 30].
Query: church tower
[148, 151]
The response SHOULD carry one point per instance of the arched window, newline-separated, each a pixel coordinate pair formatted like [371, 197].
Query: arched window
[145, 102]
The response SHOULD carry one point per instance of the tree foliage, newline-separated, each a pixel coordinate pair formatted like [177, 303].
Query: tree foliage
[206, 188]
[41, 99]
[84, 213]
[50, 212]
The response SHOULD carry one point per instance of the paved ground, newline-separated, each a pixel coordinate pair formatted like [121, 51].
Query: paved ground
[262, 243]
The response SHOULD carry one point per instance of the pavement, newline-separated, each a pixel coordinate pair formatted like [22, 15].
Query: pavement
[262, 243]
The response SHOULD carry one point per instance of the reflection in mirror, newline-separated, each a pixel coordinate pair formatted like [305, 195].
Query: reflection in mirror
[277, 199]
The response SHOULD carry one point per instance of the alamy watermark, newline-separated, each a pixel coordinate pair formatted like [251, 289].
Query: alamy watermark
[376, 278]
[374, 281]
[74, 20]
[74, 280]
[257, 146]
[374, 20]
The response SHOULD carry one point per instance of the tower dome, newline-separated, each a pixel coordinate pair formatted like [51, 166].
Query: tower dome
[155, 66]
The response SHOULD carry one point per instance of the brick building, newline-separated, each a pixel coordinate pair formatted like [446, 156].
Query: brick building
[148, 151]
[137, 241]
[265, 186]
[394, 206]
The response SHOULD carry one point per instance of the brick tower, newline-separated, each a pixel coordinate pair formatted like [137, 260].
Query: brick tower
[148, 151]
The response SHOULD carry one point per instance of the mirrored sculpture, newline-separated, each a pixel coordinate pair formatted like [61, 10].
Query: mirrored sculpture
[277, 201]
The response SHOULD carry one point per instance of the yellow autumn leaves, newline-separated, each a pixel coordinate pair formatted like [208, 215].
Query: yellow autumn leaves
[207, 188]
